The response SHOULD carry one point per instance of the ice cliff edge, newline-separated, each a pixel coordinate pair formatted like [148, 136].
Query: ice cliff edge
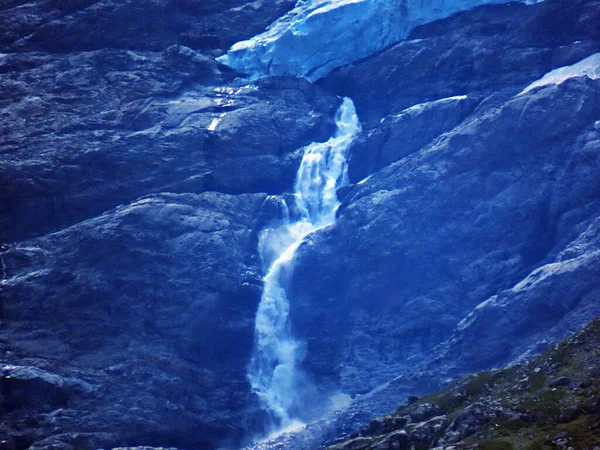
[318, 36]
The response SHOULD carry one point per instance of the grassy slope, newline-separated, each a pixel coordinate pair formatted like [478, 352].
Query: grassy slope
[551, 402]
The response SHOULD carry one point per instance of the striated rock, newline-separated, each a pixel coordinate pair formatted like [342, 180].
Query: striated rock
[136, 172]
[29, 385]
[72, 441]
[527, 304]
[117, 274]
[384, 425]
[358, 443]
[470, 420]
[424, 412]
[467, 214]
[426, 432]
[399, 135]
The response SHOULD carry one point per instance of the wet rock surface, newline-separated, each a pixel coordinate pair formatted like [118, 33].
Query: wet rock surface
[488, 52]
[132, 175]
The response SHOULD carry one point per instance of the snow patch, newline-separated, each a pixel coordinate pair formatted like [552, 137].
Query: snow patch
[364, 180]
[421, 107]
[553, 269]
[215, 122]
[589, 67]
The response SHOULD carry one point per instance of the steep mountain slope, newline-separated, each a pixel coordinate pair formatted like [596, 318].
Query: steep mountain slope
[467, 209]
[137, 172]
[100, 338]
[129, 260]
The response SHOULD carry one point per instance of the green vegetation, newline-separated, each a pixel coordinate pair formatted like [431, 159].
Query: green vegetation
[476, 384]
[537, 444]
[537, 381]
[552, 402]
[495, 444]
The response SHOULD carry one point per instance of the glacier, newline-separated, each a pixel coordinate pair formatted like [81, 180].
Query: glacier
[318, 36]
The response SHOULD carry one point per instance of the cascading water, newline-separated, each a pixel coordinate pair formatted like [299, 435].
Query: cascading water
[274, 373]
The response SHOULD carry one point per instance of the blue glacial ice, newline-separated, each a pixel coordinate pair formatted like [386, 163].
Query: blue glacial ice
[318, 36]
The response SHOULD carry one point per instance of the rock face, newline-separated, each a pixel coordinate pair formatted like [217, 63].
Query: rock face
[134, 326]
[64, 26]
[452, 205]
[493, 218]
[120, 124]
[135, 175]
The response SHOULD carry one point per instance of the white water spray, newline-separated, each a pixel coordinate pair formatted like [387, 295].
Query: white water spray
[274, 373]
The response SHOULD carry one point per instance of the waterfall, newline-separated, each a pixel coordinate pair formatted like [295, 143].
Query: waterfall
[273, 372]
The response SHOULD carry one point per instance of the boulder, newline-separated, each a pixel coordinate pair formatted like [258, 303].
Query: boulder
[396, 440]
